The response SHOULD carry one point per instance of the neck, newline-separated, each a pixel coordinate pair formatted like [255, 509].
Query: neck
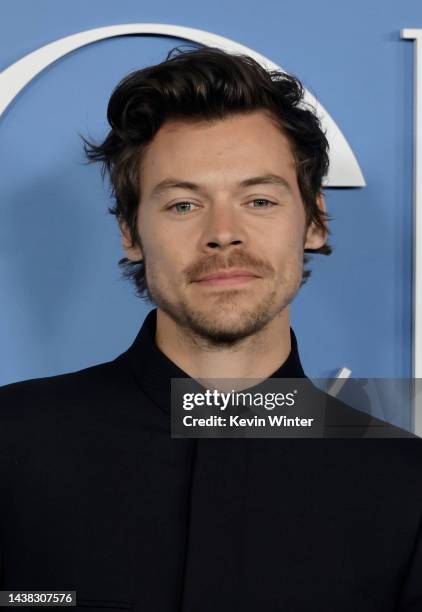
[257, 356]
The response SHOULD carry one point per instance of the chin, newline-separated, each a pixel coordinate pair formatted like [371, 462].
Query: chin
[222, 335]
[228, 325]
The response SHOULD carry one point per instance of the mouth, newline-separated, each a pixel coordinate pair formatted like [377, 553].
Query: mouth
[227, 277]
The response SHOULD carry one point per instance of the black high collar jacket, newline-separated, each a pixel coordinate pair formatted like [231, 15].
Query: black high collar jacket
[97, 497]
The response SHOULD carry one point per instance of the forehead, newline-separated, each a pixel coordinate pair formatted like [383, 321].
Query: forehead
[234, 146]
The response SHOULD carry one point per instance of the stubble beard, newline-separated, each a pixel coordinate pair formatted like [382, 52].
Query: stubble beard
[228, 321]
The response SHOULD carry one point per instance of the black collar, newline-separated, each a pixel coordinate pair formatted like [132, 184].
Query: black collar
[153, 370]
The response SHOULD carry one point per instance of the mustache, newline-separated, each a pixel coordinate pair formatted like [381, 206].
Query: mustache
[234, 260]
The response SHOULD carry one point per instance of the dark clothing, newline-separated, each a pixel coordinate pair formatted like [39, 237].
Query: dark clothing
[97, 497]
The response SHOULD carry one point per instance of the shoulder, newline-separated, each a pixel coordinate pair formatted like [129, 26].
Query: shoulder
[73, 389]
[346, 421]
[375, 446]
[352, 437]
[59, 416]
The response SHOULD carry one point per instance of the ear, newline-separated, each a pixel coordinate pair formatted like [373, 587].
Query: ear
[133, 251]
[315, 236]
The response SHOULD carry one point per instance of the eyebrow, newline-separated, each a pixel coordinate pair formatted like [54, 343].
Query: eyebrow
[265, 179]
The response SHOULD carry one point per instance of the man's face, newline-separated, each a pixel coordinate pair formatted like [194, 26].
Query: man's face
[218, 198]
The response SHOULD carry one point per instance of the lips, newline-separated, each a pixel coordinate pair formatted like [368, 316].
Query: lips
[227, 274]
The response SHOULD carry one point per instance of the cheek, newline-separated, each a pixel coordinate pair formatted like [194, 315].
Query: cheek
[164, 256]
[284, 243]
[151, 238]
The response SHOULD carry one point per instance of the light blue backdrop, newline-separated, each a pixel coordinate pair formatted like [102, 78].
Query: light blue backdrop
[63, 304]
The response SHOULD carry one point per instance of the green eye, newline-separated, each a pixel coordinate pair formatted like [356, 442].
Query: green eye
[182, 207]
[262, 203]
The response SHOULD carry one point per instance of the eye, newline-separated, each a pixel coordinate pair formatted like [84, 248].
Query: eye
[262, 203]
[182, 208]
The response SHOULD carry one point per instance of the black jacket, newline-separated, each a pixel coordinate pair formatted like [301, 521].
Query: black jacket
[97, 497]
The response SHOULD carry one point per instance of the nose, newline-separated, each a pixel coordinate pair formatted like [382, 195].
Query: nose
[222, 230]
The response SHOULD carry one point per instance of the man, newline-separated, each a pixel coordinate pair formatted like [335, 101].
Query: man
[216, 169]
